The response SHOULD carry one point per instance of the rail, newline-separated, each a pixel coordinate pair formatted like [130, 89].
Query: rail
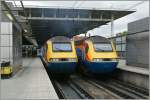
[90, 88]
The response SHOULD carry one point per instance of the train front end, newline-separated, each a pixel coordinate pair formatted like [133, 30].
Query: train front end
[61, 57]
[100, 56]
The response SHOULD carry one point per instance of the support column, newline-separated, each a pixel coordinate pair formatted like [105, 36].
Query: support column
[85, 34]
[89, 34]
[112, 25]
[42, 12]
[0, 28]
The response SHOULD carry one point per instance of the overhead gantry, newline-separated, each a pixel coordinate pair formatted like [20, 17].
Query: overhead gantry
[49, 22]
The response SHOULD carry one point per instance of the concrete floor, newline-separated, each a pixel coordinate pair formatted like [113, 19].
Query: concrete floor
[131, 74]
[31, 82]
[122, 65]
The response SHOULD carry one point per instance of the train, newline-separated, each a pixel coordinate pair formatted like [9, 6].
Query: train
[59, 55]
[96, 55]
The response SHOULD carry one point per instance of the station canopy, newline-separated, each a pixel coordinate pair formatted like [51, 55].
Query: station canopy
[70, 18]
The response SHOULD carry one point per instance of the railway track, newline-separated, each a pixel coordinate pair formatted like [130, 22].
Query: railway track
[126, 91]
[133, 88]
[120, 91]
[73, 89]
[78, 87]
[67, 89]
[139, 92]
[97, 92]
[81, 87]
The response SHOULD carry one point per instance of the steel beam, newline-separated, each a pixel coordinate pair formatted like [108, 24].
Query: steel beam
[10, 12]
[31, 40]
[29, 24]
[23, 8]
[112, 25]
[67, 19]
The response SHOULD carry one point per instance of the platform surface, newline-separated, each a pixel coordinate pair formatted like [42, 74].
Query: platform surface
[122, 65]
[31, 82]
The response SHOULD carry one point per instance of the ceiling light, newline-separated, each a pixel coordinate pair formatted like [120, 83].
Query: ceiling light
[9, 16]
[25, 30]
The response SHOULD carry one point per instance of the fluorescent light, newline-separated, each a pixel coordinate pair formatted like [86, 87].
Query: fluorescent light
[25, 30]
[9, 16]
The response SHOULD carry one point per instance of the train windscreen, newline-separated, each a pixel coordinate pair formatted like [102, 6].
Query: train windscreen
[62, 47]
[102, 47]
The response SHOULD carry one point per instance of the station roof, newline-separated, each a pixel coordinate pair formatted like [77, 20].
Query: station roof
[49, 22]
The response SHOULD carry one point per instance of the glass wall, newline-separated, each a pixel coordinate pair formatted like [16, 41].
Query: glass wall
[120, 43]
[10, 44]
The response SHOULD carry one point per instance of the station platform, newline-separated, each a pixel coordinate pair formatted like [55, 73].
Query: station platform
[31, 82]
[122, 65]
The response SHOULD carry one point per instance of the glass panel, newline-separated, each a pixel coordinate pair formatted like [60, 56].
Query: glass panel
[123, 47]
[118, 47]
[62, 47]
[5, 52]
[6, 28]
[118, 40]
[124, 39]
[5, 40]
[10, 40]
[102, 47]
[84, 4]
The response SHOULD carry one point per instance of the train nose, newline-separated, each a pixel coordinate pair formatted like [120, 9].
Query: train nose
[62, 67]
[101, 67]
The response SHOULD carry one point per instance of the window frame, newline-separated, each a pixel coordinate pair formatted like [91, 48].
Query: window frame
[102, 43]
[62, 43]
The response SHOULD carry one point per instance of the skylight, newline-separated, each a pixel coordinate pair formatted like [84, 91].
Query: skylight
[106, 5]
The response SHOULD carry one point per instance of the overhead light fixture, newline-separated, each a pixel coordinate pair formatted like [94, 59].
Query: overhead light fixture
[25, 30]
[9, 16]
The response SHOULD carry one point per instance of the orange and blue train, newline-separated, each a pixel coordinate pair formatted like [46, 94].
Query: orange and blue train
[59, 55]
[96, 55]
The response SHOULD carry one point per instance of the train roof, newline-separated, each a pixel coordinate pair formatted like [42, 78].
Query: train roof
[94, 39]
[60, 39]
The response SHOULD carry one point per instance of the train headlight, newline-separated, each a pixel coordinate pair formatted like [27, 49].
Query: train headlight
[53, 59]
[114, 59]
[72, 60]
[97, 60]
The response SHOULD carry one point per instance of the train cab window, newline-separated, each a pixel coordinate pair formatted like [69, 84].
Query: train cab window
[62, 47]
[102, 47]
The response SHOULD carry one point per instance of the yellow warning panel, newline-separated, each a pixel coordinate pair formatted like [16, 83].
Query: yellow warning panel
[6, 70]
